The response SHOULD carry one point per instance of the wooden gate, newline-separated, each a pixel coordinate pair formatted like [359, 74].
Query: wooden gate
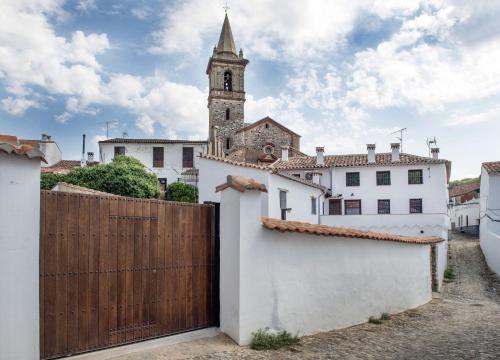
[115, 270]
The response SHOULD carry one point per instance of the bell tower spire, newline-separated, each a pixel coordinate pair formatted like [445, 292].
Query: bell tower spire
[226, 99]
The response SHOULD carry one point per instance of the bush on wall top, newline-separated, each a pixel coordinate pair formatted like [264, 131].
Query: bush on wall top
[183, 192]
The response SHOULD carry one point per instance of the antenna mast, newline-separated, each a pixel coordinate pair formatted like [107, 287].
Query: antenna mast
[430, 142]
[400, 138]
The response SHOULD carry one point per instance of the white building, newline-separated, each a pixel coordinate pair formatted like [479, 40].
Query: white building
[170, 160]
[490, 214]
[464, 207]
[389, 192]
[19, 248]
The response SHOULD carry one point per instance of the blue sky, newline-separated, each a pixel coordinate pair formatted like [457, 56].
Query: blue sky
[340, 73]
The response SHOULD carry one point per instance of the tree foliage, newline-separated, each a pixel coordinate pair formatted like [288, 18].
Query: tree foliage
[124, 176]
[182, 192]
[464, 181]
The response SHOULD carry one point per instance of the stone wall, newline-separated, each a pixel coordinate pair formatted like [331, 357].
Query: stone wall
[255, 138]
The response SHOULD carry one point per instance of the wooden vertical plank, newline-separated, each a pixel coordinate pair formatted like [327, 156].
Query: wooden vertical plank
[83, 273]
[171, 273]
[153, 273]
[50, 265]
[178, 260]
[62, 274]
[162, 290]
[103, 272]
[188, 264]
[202, 260]
[94, 227]
[146, 223]
[196, 265]
[43, 196]
[129, 291]
[112, 273]
[121, 257]
[73, 251]
[137, 269]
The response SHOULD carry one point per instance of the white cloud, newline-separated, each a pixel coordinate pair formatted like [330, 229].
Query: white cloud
[86, 5]
[492, 114]
[18, 105]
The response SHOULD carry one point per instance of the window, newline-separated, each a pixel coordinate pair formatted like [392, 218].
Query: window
[187, 157]
[335, 207]
[313, 206]
[415, 206]
[283, 204]
[158, 153]
[296, 175]
[163, 183]
[267, 126]
[383, 178]
[384, 206]
[228, 143]
[352, 207]
[228, 81]
[119, 150]
[415, 177]
[228, 114]
[309, 176]
[352, 179]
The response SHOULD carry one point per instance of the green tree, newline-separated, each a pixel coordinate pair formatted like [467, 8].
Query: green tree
[182, 192]
[124, 176]
[49, 180]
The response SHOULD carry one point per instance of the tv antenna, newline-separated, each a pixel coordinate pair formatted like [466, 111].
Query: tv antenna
[400, 138]
[125, 135]
[107, 126]
[430, 142]
[226, 7]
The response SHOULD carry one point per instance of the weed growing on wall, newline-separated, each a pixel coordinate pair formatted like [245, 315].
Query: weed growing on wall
[265, 340]
[449, 275]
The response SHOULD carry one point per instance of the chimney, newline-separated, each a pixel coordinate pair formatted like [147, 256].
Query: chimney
[82, 161]
[371, 153]
[435, 153]
[284, 152]
[46, 137]
[395, 151]
[316, 177]
[320, 151]
[90, 157]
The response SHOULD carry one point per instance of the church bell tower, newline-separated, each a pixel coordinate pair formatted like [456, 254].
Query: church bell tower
[226, 100]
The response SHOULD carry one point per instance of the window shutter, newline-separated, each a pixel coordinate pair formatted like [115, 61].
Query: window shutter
[187, 157]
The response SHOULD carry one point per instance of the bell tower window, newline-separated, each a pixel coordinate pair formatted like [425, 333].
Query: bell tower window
[228, 143]
[228, 81]
[228, 114]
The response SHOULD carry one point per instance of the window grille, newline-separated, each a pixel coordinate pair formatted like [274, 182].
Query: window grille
[352, 179]
[415, 177]
[415, 206]
[383, 178]
[352, 207]
[384, 206]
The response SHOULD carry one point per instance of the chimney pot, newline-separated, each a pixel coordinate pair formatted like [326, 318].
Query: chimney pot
[284, 153]
[320, 151]
[90, 156]
[371, 152]
[395, 151]
[435, 153]
[316, 176]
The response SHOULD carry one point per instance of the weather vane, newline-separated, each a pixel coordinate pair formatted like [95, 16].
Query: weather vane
[226, 7]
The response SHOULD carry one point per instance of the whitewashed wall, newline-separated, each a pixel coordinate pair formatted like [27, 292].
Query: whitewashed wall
[489, 229]
[172, 168]
[409, 225]
[433, 191]
[324, 180]
[468, 209]
[52, 152]
[19, 252]
[306, 283]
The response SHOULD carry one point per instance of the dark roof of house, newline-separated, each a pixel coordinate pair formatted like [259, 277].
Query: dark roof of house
[65, 166]
[462, 189]
[316, 229]
[492, 166]
[12, 145]
[267, 119]
[150, 141]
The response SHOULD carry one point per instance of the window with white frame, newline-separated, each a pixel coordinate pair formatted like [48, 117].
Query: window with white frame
[314, 205]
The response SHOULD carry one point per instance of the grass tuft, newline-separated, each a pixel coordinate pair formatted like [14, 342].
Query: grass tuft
[374, 320]
[385, 316]
[449, 275]
[265, 340]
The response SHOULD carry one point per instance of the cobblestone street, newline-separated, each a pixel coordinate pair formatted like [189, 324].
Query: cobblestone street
[462, 323]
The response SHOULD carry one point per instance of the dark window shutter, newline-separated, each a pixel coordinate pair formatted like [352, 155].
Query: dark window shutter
[158, 154]
[187, 157]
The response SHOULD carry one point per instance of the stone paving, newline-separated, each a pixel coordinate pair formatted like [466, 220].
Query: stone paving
[462, 323]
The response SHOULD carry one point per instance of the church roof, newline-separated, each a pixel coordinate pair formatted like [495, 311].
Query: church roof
[268, 120]
[226, 41]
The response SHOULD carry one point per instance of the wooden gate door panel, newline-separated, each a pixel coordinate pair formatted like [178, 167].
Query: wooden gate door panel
[115, 270]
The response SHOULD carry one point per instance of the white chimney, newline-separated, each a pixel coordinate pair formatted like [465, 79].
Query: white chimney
[90, 156]
[320, 151]
[435, 153]
[316, 177]
[371, 153]
[284, 152]
[395, 151]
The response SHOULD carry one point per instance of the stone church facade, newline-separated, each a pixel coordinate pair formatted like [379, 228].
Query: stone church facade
[229, 135]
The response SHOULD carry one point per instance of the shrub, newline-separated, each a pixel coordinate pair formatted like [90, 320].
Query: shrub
[449, 275]
[385, 316]
[265, 340]
[374, 320]
[182, 192]
[49, 180]
[124, 176]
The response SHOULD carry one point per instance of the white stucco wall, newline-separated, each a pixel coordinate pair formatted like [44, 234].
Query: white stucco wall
[52, 152]
[172, 161]
[490, 229]
[468, 209]
[442, 261]
[409, 224]
[307, 284]
[19, 253]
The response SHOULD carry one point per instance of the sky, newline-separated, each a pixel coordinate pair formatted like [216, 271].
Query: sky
[341, 73]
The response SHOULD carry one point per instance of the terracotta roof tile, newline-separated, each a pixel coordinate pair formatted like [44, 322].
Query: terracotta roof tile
[492, 167]
[12, 145]
[65, 166]
[464, 188]
[315, 229]
[150, 141]
[241, 184]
